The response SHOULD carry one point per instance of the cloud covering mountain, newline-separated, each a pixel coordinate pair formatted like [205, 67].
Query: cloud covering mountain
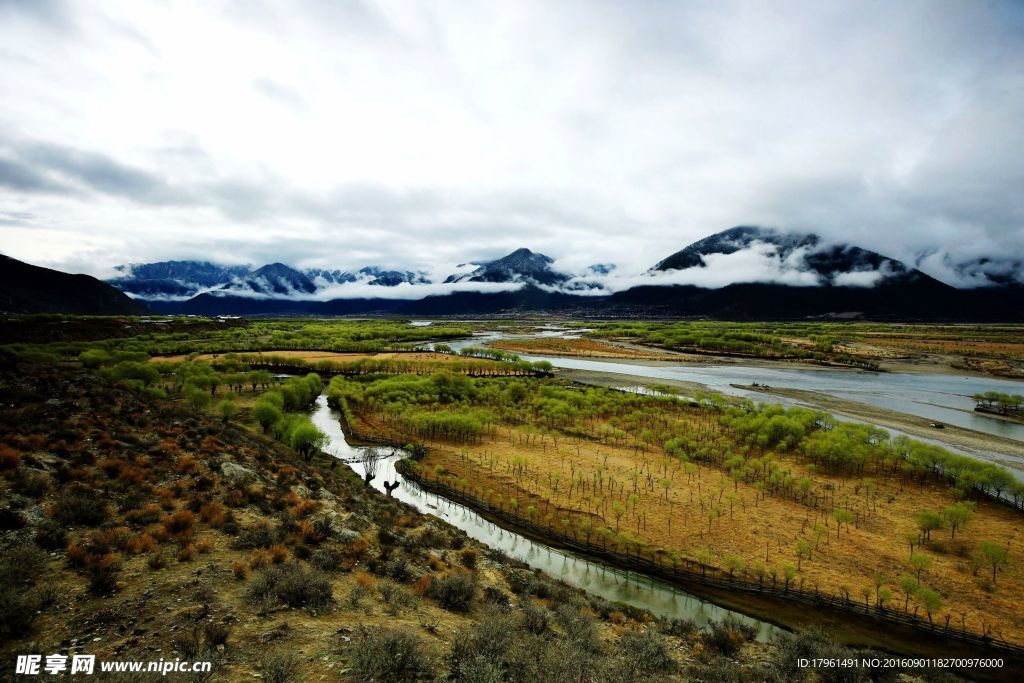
[740, 255]
[408, 136]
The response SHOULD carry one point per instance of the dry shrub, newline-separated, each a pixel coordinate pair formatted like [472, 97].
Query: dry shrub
[181, 524]
[9, 458]
[357, 548]
[364, 580]
[203, 547]
[304, 508]
[132, 475]
[111, 466]
[469, 557]
[141, 543]
[241, 570]
[454, 591]
[186, 464]
[278, 553]
[259, 559]
[214, 514]
[216, 634]
[187, 553]
[80, 506]
[383, 654]
[236, 498]
[423, 584]
[103, 573]
[147, 514]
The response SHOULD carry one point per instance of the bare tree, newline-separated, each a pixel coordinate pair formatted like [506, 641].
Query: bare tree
[371, 462]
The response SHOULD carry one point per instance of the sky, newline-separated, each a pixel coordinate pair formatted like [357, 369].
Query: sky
[421, 135]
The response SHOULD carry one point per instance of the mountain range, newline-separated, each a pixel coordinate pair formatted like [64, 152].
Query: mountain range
[746, 272]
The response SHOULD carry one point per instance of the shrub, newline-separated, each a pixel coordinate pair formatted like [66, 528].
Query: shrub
[389, 655]
[278, 553]
[280, 667]
[180, 524]
[326, 559]
[484, 647]
[644, 653]
[257, 536]
[398, 569]
[216, 634]
[187, 553]
[157, 561]
[726, 637]
[78, 506]
[291, 584]
[469, 557]
[240, 570]
[51, 536]
[9, 458]
[213, 514]
[535, 618]
[454, 591]
[32, 483]
[102, 573]
[144, 515]
[680, 628]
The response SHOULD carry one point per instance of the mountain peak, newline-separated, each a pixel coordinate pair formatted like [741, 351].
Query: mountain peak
[795, 252]
[522, 265]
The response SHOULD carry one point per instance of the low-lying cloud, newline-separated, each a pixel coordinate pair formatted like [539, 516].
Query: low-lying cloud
[336, 135]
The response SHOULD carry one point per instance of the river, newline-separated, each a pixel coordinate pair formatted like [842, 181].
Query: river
[610, 583]
[936, 397]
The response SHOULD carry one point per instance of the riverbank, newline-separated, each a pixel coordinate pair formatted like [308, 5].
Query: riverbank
[910, 424]
[848, 621]
[1002, 450]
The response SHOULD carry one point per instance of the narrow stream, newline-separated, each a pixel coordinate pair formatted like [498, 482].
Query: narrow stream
[610, 583]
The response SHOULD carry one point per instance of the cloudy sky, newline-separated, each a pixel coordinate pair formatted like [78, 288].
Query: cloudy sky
[420, 135]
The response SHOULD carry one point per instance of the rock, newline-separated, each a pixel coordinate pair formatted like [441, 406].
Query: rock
[338, 527]
[236, 474]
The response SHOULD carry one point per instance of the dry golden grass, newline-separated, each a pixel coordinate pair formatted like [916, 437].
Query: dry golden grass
[753, 528]
[585, 348]
[337, 357]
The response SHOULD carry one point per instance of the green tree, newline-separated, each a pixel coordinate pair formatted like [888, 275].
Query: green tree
[197, 398]
[994, 554]
[921, 563]
[227, 408]
[930, 600]
[957, 515]
[306, 438]
[928, 521]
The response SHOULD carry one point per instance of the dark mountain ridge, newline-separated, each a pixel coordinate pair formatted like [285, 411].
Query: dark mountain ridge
[25, 288]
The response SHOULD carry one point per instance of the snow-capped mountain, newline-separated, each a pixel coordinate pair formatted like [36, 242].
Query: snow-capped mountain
[173, 279]
[273, 278]
[522, 265]
[806, 258]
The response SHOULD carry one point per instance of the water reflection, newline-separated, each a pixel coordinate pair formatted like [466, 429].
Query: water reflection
[610, 583]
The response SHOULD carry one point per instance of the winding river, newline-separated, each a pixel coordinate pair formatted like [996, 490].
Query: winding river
[610, 583]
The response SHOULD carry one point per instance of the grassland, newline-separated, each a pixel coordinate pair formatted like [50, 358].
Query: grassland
[138, 528]
[988, 349]
[821, 506]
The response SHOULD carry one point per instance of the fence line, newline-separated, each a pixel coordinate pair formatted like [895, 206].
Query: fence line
[712, 576]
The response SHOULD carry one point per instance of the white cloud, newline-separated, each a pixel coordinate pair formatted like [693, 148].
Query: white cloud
[407, 135]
